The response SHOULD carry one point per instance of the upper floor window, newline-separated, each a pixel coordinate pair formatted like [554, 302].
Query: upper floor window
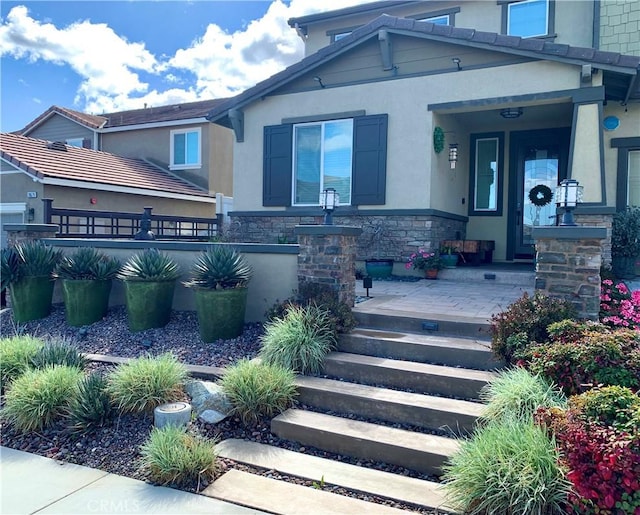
[337, 37]
[322, 158]
[438, 20]
[185, 149]
[75, 142]
[528, 18]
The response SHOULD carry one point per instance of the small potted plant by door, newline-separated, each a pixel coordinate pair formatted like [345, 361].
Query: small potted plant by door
[449, 256]
[86, 277]
[27, 272]
[625, 242]
[375, 233]
[429, 262]
[220, 277]
[149, 279]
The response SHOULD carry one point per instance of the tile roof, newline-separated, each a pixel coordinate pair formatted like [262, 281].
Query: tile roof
[162, 113]
[89, 166]
[533, 48]
[302, 21]
[88, 120]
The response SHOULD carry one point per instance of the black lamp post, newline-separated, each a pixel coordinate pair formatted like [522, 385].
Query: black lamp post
[568, 195]
[329, 200]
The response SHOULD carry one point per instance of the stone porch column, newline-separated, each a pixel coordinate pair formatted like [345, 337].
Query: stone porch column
[17, 233]
[568, 263]
[328, 256]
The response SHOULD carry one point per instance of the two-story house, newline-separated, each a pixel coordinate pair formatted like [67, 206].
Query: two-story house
[445, 120]
[174, 142]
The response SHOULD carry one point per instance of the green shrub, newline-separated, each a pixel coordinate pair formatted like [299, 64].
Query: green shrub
[92, 404]
[144, 383]
[15, 356]
[59, 352]
[299, 341]
[508, 467]
[39, 397]
[172, 456]
[588, 359]
[517, 392]
[530, 315]
[613, 406]
[258, 389]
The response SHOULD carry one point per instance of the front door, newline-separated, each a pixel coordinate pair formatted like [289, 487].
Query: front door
[538, 163]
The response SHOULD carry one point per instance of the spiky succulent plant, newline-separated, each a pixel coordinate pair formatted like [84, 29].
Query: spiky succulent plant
[28, 259]
[8, 267]
[149, 265]
[219, 268]
[87, 263]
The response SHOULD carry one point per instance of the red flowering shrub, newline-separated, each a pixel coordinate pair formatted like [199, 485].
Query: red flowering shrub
[603, 460]
[619, 307]
[583, 355]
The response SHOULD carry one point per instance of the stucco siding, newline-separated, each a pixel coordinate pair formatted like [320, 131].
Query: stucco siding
[14, 187]
[220, 159]
[59, 128]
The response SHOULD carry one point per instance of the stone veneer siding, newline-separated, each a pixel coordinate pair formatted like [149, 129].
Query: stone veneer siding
[401, 234]
[568, 261]
[17, 233]
[327, 256]
[620, 26]
[599, 220]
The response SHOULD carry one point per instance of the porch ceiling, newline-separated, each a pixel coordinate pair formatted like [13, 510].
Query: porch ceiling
[551, 115]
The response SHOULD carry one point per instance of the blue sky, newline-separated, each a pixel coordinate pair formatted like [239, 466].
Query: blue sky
[102, 56]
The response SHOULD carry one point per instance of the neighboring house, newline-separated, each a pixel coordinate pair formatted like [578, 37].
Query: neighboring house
[176, 137]
[75, 177]
[520, 90]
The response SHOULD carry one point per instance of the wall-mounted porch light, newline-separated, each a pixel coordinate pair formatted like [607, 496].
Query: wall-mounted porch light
[453, 155]
[511, 113]
[568, 196]
[329, 200]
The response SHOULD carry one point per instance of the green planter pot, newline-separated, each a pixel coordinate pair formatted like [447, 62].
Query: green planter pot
[379, 268]
[148, 303]
[31, 298]
[449, 260]
[221, 313]
[86, 301]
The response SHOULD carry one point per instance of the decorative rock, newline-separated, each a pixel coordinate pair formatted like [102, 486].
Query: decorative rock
[208, 396]
[210, 416]
[174, 413]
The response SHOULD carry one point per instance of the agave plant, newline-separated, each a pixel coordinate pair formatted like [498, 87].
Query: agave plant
[220, 268]
[88, 263]
[29, 259]
[9, 271]
[149, 265]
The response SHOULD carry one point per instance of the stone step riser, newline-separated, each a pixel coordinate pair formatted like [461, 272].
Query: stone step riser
[420, 452]
[442, 385]
[419, 352]
[423, 325]
[455, 422]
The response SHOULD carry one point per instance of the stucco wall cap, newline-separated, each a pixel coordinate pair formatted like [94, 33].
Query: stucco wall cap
[569, 233]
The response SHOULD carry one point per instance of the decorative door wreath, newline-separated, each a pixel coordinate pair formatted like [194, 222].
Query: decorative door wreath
[540, 195]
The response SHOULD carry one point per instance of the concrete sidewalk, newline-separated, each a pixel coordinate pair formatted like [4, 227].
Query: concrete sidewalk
[34, 484]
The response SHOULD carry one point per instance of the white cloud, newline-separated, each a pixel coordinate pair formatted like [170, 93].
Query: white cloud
[216, 64]
[36, 100]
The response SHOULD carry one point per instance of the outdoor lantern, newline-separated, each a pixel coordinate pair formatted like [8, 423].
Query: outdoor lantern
[568, 196]
[453, 155]
[329, 200]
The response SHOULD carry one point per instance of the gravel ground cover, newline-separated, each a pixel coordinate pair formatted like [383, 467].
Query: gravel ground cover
[115, 447]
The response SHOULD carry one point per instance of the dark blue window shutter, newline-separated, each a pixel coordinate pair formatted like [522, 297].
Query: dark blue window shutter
[278, 158]
[369, 160]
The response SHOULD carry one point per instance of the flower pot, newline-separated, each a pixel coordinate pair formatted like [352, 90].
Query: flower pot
[85, 300]
[148, 303]
[431, 273]
[31, 298]
[449, 260]
[379, 268]
[220, 313]
[623, 267]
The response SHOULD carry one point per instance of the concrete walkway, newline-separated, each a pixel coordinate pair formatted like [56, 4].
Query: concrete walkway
[33, 484]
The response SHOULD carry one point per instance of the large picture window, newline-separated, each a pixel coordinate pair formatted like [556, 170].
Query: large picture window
[486, 174]
[529, 18]
[322, 159]
[185, 149]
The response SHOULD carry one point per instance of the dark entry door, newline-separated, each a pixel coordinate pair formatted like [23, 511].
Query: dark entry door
[538, 160]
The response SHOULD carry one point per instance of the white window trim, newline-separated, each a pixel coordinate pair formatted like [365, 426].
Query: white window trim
[546, 29]
[293, 164]
[13, 207]
[191, 166]
[496, 179]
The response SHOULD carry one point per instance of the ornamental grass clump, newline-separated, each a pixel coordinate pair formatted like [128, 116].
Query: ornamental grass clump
[37, 398]
[92, 405]
[300, 340]
[508, 467]
[517, 392]
[59, 352]
[258, 389]
[144, 383]
[171, 456]
[16, 354]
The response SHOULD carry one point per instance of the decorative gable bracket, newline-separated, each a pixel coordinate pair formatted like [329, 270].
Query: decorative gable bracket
[237, 123]
[386, 52]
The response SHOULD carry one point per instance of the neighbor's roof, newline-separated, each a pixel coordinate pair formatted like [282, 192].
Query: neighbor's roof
[36, 158]
[534, 48]
[303, 21]
[174, 112]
